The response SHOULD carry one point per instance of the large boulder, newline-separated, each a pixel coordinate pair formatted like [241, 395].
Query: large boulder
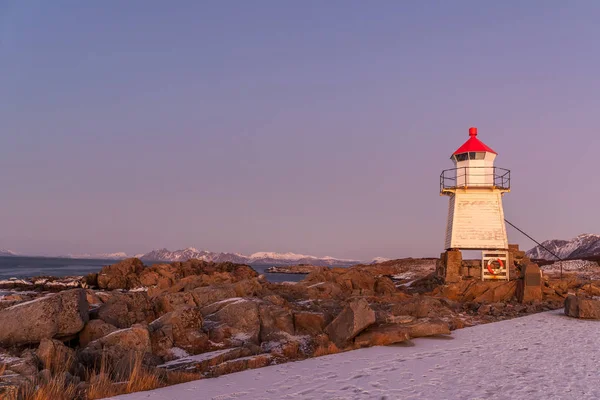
[118, 348]
[353, 319]
[54, 355]
[237, 319]
[58, 316]
[276, 323]
[181, 328]
[581, 307]
[122, 275]
[169, 300]
[309, 323]
[125, 309]
[95, 329]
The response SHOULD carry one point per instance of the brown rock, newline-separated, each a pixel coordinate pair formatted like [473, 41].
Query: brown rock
[353, 319]
[529, 288]
[400, 319]
[382, 335]
[168, 302]
[92, 298]
[118, 347]
[276, 323]
[580, 307]
[125, 309]
[202, 362]
[277, 300]
[25, 365]
[384, 286]
[181, 328]
[419, 307]
[235, 318]
[59, 315]
[427, 328]
[95, 329]
[453, 264]
[122, 275]
[309, 323]
[54, 355]
[211, 294]
[240, 364]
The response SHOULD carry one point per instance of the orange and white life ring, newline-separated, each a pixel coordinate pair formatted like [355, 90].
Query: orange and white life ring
[489, 265]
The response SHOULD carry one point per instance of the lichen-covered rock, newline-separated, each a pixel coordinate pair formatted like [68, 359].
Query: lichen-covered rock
[122, 275]
[125, 309]
[95, 329]
[119, 347]
[309, 323]
[353, 319]
[276, 323]
[59, 315]
[236, 318]
[181, 328]
[54, 355]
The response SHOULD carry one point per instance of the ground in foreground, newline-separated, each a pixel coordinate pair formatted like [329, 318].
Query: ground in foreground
[540, 356]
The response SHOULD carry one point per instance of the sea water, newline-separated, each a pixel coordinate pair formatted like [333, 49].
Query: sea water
[26, 267]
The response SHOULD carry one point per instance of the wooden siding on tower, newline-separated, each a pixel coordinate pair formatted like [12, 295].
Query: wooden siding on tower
[476, 220]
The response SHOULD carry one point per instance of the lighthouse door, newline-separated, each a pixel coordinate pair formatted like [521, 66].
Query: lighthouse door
[494, 265]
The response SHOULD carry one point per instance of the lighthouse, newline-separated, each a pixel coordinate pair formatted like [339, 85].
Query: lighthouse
[475, 187]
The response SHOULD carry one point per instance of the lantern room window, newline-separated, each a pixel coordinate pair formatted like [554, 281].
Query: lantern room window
[462, 157]
[479, 155]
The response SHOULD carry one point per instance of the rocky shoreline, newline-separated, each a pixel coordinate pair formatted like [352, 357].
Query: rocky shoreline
[195, 319]
[292, 269]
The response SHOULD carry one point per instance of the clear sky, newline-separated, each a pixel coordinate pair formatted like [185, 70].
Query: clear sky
[317, 127]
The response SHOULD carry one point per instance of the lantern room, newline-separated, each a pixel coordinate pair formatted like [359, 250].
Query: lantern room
[474, 168]
[474, 162]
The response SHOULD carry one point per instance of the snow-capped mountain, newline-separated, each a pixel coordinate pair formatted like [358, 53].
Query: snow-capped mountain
[190, 252]
[7, 253]
[256, 258]
[378, 260]
[585, 245]
[102, 256]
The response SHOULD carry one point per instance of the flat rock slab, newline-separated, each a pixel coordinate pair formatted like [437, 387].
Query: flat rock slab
[202, 362]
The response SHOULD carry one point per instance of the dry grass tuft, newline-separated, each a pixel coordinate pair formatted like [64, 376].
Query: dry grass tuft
[57, 388]
[103, 381]
[177, 377]
[141, 379]
[325, 350]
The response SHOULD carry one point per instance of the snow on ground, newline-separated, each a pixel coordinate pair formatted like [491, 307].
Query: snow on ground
[540, 356]
[582, 268]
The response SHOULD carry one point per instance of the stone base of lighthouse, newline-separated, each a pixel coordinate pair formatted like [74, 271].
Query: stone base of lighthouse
[452, 268]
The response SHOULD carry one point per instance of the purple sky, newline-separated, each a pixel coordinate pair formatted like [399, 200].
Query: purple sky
[310, 126]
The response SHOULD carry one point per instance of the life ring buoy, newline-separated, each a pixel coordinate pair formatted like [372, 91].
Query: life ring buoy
[489, 265]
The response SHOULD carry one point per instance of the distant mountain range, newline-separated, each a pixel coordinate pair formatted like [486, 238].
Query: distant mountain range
[265, 258]
[103, 256]
[583, 246]
[253, 259]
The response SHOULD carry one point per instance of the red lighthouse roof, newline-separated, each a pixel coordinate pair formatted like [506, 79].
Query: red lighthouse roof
[473, 144]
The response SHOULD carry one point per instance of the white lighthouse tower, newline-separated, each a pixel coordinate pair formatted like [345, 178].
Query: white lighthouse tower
[475, 216]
